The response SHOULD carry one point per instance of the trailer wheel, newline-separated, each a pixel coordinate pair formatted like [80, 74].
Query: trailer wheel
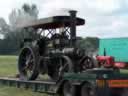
[118, 92]
[68, 89]
[87, 90]
[28, 63]
[125, 92]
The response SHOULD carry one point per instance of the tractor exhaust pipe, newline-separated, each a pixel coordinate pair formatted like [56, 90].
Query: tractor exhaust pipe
[73, 27]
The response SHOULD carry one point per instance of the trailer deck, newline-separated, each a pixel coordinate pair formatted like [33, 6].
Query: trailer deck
[36, 86]
[104, 81]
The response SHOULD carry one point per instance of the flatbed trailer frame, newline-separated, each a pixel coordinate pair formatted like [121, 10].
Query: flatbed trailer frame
[36, 86]
[77, 80]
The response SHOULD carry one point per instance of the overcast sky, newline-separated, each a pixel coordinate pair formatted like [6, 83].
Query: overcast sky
[104, 18]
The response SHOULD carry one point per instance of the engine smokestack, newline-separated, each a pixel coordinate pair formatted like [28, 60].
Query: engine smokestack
[73, 27]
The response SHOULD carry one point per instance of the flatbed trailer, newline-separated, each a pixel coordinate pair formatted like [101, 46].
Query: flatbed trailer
[96, 82]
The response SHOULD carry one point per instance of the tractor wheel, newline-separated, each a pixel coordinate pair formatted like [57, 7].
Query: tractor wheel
[87, 90]
[65, 65]
[28, 63]
[68, 89]
[86, 63]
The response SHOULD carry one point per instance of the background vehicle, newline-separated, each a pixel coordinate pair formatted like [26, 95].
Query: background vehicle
[113, 52]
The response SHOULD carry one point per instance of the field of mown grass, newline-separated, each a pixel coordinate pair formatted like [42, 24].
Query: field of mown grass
[12, 91]
[8, 68]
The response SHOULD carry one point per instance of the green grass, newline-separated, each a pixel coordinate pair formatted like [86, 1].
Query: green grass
[12, 91]
[8, 68]
[124, 71]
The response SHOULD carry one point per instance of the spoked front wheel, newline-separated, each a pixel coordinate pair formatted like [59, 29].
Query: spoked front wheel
[28, 63]
[64, 64]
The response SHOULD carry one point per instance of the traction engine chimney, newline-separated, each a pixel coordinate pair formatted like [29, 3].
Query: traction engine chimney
[73, 27]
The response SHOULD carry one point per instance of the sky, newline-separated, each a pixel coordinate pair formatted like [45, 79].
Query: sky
[104, 18]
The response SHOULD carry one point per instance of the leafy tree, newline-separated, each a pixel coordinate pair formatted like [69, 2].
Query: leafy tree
[23, 15]
[31, 10]
[13, 37]
[90, 44]
[19, 17]
[4, 27]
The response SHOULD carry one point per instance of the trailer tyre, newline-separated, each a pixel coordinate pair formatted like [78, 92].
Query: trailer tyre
[68, 89]
[87, 90]
[125, 92]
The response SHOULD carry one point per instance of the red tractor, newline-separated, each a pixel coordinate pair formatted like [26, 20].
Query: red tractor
[109, 62]
[113, 52]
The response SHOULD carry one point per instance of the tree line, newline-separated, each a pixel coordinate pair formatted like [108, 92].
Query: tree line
[10, 35]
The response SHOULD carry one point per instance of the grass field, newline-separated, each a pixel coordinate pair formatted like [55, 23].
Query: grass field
[8, 68]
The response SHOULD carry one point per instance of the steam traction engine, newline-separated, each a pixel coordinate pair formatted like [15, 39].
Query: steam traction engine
[55, 51]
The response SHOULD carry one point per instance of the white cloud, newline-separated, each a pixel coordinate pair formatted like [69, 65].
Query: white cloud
[6, 6]
[100, 16]
[104, 5]
[1, 36]
[55, 7]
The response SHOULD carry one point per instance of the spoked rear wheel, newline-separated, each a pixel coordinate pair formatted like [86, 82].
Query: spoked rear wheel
[65, 65]
[28, 63]
[86, 63]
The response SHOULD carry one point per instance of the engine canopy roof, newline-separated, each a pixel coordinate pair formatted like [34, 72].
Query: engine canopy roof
[52, 22]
